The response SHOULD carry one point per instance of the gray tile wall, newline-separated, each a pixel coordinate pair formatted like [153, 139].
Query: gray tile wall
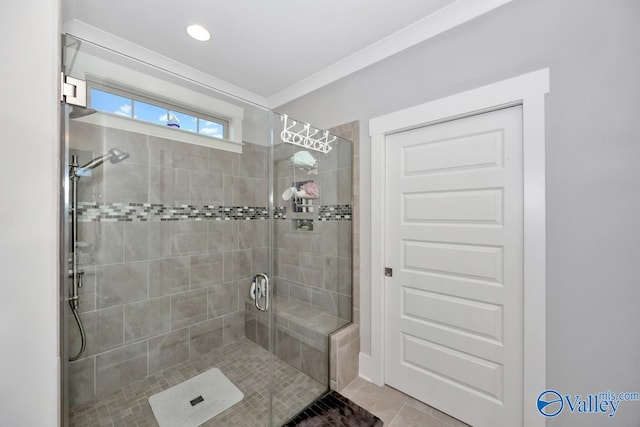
[312, 268]
[345, 343]
[351, 132]
[156, 293]
[315, 266]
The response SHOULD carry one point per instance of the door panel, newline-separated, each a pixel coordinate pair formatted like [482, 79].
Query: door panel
[454, 315]
[446, 155]
[454, 207]
[459, 313]
[458, 368]
[480, 262]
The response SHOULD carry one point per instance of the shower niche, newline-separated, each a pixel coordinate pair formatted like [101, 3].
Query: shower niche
[305, 195]
[303, 205]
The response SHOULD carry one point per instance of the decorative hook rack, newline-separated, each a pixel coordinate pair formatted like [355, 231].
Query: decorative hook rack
[305, 136]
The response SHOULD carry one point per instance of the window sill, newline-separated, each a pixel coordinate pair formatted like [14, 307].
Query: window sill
[127, 124]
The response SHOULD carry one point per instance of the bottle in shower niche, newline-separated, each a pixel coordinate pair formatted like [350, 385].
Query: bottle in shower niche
[310, 191]
[307, 205]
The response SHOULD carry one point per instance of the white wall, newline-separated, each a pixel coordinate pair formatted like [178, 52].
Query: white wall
[28, 213]
[593, 280]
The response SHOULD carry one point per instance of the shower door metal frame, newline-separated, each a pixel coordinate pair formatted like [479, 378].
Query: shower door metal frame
[64, 246]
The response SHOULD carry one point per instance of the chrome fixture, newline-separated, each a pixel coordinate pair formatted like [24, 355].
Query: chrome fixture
[114, 156]
[260, 288]
[73, 91]
[77, 112]
[305, 135]
[75, 172]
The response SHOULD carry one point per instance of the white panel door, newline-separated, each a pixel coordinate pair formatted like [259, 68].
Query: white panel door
[454, 233]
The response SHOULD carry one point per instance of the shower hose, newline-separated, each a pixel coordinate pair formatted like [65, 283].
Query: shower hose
[83, 339]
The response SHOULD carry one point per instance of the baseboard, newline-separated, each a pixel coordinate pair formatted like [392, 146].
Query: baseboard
[369, 370]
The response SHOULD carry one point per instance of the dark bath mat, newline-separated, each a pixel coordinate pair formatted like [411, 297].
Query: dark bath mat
[334, 410]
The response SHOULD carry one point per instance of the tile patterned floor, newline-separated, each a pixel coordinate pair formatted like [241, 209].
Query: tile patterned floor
[243, 362]
[396, 409]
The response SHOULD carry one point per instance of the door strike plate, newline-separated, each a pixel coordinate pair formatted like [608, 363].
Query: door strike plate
[388, 272]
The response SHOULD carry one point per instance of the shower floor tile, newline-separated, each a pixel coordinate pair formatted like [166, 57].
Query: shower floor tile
[245, 363]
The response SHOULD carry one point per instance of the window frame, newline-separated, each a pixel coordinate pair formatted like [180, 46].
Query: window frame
[157, 101]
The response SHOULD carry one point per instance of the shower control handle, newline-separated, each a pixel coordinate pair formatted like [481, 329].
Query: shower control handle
[80, 279]
[261, 281]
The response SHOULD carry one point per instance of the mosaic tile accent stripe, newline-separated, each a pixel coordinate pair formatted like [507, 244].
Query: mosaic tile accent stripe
[334, 213]
[325, 213]
[128, 212]
[132, 212]
[280, 212]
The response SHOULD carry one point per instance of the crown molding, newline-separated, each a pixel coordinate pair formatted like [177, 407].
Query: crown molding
[430, 26]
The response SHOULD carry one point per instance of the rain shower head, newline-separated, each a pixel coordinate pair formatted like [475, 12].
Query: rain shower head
[114, 155]
[77, 112]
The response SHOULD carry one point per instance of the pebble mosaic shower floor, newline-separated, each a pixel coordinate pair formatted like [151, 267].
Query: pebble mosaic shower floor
[245, 363]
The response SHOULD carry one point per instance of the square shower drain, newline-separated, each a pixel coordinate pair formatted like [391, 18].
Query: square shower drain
[196, 400]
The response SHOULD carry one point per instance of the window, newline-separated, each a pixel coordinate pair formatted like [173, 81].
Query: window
[122, 103]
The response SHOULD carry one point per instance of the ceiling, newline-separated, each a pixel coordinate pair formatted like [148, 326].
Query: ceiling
[265, 48]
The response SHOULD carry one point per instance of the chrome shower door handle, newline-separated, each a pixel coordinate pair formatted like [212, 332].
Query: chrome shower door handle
[262, 288]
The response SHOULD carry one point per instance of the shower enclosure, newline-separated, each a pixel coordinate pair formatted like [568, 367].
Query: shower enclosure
[187, 202]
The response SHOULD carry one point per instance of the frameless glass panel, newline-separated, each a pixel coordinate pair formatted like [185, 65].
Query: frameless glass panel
[312, 263]
[168, 242]
[170, 237]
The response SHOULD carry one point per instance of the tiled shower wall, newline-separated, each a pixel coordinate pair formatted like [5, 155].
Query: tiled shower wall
[166, 264]
[345, 344]
[312, 267]
[351, 132]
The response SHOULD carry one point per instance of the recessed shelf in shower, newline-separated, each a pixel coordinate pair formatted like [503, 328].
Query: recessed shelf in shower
[303, 206]
[302, 201]
[303, 224]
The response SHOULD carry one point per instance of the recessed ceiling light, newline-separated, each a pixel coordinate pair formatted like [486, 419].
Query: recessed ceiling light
[198, 32]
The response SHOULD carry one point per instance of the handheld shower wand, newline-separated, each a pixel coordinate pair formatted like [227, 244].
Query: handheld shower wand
[75, 172]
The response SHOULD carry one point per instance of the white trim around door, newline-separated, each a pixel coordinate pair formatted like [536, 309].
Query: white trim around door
[528, 90]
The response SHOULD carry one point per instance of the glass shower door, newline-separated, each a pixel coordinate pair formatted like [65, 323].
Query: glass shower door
[180, 210]
[312, 265]
[172, 224]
